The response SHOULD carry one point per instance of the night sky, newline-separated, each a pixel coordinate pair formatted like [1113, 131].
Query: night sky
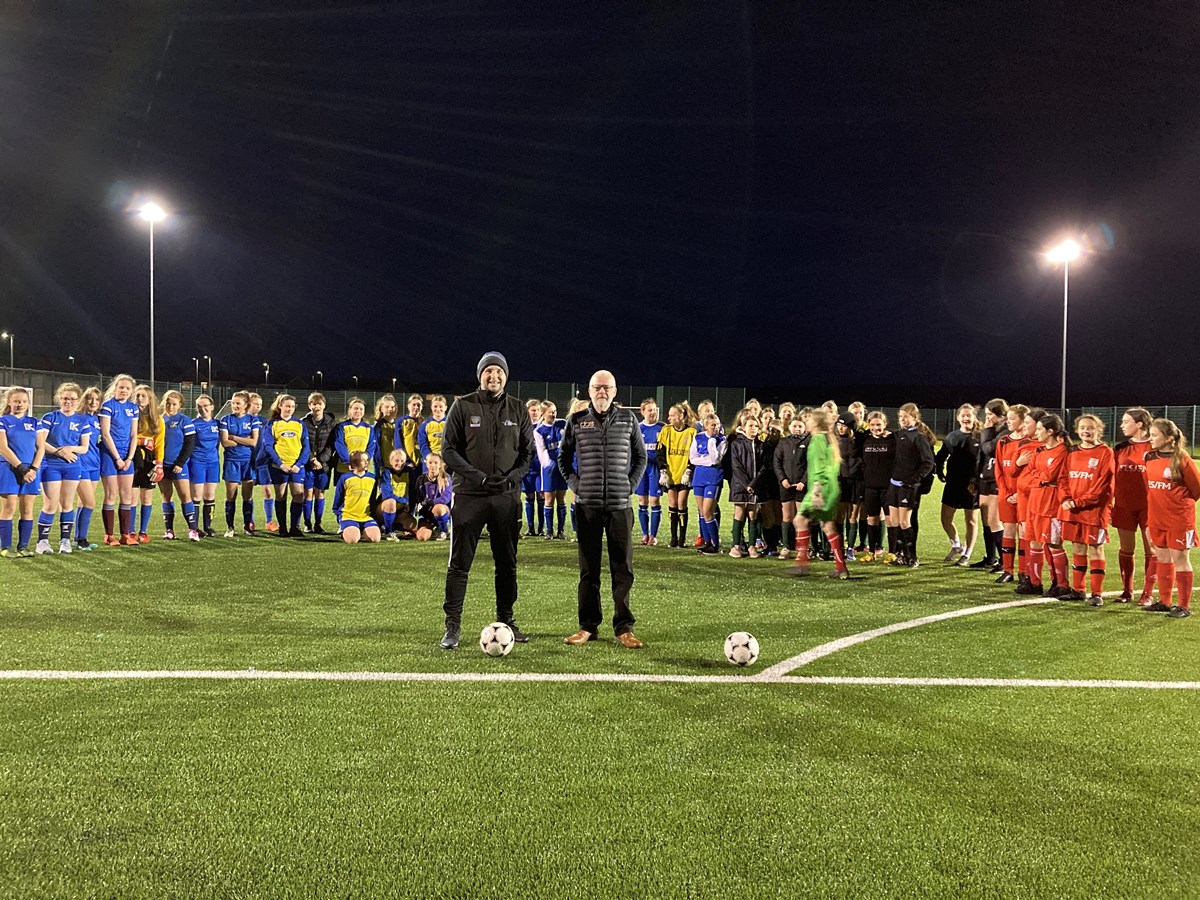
[788, 194]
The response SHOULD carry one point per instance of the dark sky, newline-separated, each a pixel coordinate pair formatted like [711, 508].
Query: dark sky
[715, 192]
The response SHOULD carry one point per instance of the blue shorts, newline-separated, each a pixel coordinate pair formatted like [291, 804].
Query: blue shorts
[236, 470]
[707, 491]
[204, 471]
[649, 486]
[552, 480]
[531, 483]
[361, 525]
[278, 476]
[262, 475]
[61, 472]
[90, 472]
[10, 485]
[316, 481]
[108, 466]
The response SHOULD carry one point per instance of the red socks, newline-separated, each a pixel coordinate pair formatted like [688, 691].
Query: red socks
[1097, 576]
[1027, 561]
[1183, 582]
[1126, 562]
[1058, 559]
[1166, 582]
[802, 541]
[1008, 552]
[835, 544]
[1152, 575]
[1034, 567]
[1079, 567]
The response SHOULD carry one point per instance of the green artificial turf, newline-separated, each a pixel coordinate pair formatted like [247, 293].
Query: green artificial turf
[201, 788]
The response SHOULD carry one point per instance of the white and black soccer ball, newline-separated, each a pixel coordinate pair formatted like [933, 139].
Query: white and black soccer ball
[497, 639]
[741, 648]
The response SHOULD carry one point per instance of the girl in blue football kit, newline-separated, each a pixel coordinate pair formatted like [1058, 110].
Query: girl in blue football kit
[22, 445]
[353, 434]
[204, 465]
[89, 475]
[393, 495]
[68, 436]
[531, 481]
[707, 455]
[179, 443]
[261, 468]
[239, 435]
[429, 435]
[547, 436]
[118, 417]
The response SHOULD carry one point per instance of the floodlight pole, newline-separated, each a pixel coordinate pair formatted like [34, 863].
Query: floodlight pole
[1063, 396]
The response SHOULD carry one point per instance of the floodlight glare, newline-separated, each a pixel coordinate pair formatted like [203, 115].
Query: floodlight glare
[152, 212]
[1067, 251]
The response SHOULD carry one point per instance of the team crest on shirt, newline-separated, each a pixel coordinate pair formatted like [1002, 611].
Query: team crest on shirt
[29, 427]
[1093, 463]
[476, 421]
[1167, 473]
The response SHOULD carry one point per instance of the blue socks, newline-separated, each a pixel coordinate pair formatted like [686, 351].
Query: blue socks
[443, 522]
[389, 522]
[84, 522]
[562, 516]
[24, 530]
[319, 508]
[308, 506]
[146, 510]
[529, 504]
[45, 523]
[269, 508]
[66, 521]
[655, 519]
[5, 534]
[189, 515]
[168, 510]
[644, 519]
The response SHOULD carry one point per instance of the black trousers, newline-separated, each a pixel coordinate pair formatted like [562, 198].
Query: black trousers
[468, 515]
[594, 526]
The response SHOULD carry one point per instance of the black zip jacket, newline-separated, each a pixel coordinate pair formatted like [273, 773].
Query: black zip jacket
[748, 469]
[958, 459]
[988, 438]
[611, 457]
[791, 460]
[851, 465]
[488, 438]
[320, 440]
[878, 460]
[914, 457]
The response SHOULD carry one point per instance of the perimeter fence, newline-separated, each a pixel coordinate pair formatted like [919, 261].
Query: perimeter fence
[728, 401]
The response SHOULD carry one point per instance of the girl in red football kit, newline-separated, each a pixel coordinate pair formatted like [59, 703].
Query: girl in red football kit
[1043, 472]
[1172, 488]
[1008, 448]
[1026, 479]
[1085, 502]
[1129, 502]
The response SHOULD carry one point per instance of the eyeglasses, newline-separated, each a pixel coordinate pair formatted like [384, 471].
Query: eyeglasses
[606, 388]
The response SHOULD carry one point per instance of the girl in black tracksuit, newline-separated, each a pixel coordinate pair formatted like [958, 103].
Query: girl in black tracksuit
[747, 470]
[791, 469]
[878, 449]
[849, 481]
[958, 467]
[912, 470]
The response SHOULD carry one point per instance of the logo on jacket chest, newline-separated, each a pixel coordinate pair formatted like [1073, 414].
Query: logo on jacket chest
[476, 422]
[587, 423]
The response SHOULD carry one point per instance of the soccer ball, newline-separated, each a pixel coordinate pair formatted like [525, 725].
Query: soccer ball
[497, 640]
[741, 648]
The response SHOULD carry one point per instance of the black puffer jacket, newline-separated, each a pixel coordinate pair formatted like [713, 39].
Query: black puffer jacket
[748, 469]
[611, 457]
[489, 437]
[320, 439]
[791, 460]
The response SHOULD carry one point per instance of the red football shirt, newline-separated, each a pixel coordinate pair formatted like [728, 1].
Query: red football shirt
[1047, 470]
[1088, 483]
[1171, 496]
[1130, 459]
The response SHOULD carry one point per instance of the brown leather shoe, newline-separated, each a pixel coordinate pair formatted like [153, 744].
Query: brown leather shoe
[628, 641]
[582, 636]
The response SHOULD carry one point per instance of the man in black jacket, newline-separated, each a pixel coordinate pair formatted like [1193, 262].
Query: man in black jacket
[611, 459]
[487, 446]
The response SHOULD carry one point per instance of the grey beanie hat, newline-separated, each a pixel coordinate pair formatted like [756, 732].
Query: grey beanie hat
[491, 358]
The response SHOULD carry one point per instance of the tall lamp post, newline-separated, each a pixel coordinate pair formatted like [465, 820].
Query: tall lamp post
[197, 362]
[321, 375]
[71, 360]
[355, 377]
[11, 338]
[267, 377]
[393, 385]
[152, 213]
[1065, 253]
[209, 359]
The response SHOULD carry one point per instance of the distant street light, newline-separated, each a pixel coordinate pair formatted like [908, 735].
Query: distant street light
[152, 213]
[393, 385]
[12, 339]
[355, 377]
[267, 366]
[197, 362]
[321, 375]
[1065, 253]
[209, 358]
[71, 359]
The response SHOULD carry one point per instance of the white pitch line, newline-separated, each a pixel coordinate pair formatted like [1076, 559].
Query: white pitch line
[782, 668]
[990, 682]
[566, 677]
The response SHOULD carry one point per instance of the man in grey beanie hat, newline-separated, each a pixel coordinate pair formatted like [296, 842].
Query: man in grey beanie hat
[487, 447]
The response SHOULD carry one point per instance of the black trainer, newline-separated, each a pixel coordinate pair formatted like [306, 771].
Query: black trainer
[1095, 600]
[984, 563]
[1029, 589]
[1005, 578]
[518, 635]
[317, 529]
[996, 568]
[1157, 606]
[1178, 612]
[450, 638]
